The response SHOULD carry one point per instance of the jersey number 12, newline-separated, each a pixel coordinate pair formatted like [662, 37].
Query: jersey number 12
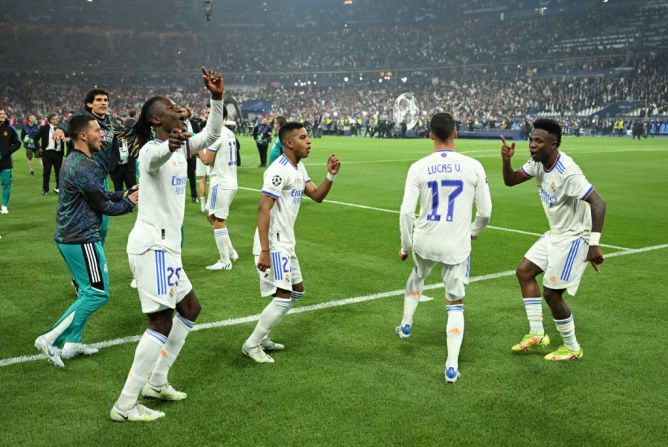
[458, 186]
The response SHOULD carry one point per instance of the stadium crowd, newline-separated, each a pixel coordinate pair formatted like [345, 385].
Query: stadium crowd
[481, 98]
[560, 59]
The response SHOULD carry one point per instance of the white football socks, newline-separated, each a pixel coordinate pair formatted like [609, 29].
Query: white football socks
[455, 334]
[146, 355]
[223, 243]
[567, 330]
[410, 305]
[181, 327]
[270, 317]
[230, 248]
[534, 310]
[414, 287]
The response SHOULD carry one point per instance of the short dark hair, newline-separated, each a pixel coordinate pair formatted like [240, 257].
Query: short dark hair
[79, 124]
[280, 120]
[550, 126]
[90, 96]
[443, 126]
[132, 113]
[48, 118]
[287, 128]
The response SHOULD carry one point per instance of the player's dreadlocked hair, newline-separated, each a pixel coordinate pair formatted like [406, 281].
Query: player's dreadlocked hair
[550, 126]
[139, 134]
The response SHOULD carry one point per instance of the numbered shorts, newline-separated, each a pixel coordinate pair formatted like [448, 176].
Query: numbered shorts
[161, 280]
[201, 170]
[455, 277]
[563, 263]
[219, 201]
[284, 272]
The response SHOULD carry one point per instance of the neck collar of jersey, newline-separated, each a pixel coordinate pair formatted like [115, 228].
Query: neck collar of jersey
[288, 160]
[555, 163]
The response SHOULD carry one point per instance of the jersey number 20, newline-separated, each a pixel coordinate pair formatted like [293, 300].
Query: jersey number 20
[458, 186]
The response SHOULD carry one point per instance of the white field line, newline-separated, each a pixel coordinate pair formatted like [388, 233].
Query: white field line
[385, 210]
[310, 308]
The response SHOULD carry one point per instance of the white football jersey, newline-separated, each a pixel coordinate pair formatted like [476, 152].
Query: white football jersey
[284, 182]
[562, 190]
[224, 168]
[163, 180]
[447, 184]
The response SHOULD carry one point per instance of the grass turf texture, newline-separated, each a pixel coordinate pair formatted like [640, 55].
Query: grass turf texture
[345, 378]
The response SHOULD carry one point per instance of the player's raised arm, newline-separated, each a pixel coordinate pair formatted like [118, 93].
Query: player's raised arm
[510, 176]
[318, 193]
[214, 83]
[597, 206]
[263, 216]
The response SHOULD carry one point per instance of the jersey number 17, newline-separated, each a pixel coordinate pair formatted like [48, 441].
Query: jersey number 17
[458, 186]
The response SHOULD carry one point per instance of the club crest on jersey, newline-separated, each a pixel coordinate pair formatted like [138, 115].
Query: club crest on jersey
[553, 187]
[276, 180]
[444, 154]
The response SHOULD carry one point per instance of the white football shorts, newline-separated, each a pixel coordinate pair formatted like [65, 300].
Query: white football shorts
[284, 271]
[161, 280]
[219, 201]
[563, 263]
[455, 277]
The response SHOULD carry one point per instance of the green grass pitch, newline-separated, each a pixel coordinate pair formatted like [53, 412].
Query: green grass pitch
[345, 378]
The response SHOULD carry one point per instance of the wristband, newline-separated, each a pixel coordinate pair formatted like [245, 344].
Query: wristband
[594, 239]
[331, 176]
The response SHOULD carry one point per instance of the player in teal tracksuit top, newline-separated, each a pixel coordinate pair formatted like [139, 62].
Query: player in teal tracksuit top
[9, 143]
[82, 202]
[276, 148]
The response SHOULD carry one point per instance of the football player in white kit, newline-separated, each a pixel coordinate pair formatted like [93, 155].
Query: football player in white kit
[154, 247]
[202, 172]
[575, 213]
[285, 183]
[222, 158]
[447, 184]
